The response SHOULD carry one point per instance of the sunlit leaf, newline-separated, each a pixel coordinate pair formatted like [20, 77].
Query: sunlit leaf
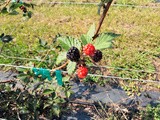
[86, 39]
[68, 42]
[47, 91]
[105, 40]
[61, 57]
[91, 31]
[71, 67]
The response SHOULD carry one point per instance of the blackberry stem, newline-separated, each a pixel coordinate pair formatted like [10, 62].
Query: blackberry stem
[105, 10]
[60, 67]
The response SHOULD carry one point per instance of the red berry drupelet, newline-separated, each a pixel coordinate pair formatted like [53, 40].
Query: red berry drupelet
[82, 72]
[97, 56]
[89, 49]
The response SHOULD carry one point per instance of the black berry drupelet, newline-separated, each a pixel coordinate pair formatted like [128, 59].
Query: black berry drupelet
[73, 54]
[97, 56]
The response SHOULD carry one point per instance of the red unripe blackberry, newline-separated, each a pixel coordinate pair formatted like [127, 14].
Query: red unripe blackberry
[97, 56]
[89, 49]
[73, 54]
[82, 72]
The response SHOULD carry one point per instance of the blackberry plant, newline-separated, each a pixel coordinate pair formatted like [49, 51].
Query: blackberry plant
[11, 6]
[41, 95]
[88, 47]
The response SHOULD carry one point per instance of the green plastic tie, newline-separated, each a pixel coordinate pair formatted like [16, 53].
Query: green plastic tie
[45, 73]
[59, 77]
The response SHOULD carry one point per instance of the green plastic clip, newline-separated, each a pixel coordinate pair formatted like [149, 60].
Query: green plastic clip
[44, 72]
[59, 77]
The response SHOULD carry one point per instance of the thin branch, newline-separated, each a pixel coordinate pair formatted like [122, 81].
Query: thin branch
[6, 81]
[60, 67]
[7, 3]
[105, 10]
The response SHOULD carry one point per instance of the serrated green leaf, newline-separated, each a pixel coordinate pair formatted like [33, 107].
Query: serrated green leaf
[86, 39]
[68, 42]
[64, 42]
[61, 57]
[105, 40]
[47, 91]
[91, 31]
[71, 67]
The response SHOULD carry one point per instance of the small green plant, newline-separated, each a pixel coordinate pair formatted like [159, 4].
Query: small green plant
[11, 6]
[132, 88]
[151, 113]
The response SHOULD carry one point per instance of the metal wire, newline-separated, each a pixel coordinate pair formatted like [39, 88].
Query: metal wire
[108, 67]
[95, 3]
[94, 75]
[125, 69]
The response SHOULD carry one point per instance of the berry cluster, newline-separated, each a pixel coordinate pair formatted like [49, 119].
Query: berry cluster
[96, 55]
[23, 8]
[73, 54]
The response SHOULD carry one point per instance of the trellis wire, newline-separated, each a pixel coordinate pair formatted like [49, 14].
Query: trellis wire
[108, 67]
[95, 3]
[95, 75]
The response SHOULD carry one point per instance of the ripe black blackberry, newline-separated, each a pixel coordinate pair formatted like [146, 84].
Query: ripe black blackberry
[73, 54]
[97, 56]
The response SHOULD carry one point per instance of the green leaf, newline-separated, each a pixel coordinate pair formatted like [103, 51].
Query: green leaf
[20, 69]
[56, 110]
[29, 14]
[91, 31]
[64, 42]
[68, 42]
[68, 94]
[86, 39]
[61, 57]
[66, 79]
[71, 67]
[13, 6]
[105, 40]
[4, 10]
[42, 42]
[47, 91]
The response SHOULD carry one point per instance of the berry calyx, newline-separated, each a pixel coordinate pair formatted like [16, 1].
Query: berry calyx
[82, 72]
[73, 54]
[89, 49]
[97, 56]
